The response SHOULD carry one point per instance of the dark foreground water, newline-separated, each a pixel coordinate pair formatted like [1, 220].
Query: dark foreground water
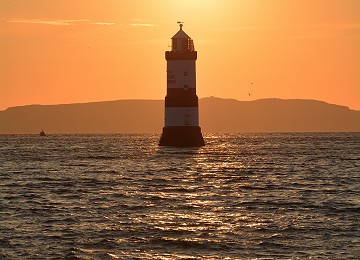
[265, 196]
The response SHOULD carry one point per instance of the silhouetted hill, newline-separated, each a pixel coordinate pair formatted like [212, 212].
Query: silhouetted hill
[276, 115]
[147, 116]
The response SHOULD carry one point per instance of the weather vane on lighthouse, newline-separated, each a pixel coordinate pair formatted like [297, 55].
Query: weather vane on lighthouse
[181, 102]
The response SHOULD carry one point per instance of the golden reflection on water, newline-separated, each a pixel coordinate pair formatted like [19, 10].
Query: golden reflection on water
[211, 211]
[207, 214]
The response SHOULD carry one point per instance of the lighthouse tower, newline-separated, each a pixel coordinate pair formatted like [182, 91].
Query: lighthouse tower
[181, 102]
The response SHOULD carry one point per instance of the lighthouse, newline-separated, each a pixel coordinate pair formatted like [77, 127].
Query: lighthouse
[181, 102]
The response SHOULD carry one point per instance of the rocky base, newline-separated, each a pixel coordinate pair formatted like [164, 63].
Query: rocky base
[182, 136]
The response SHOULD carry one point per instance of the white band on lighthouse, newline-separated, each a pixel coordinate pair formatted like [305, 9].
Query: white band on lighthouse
[181, 116]
[181, 74]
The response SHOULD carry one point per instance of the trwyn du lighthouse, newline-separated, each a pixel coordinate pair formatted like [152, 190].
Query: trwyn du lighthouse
[181, 102]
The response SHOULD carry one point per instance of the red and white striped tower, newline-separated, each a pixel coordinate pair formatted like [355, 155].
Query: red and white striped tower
[181, 102]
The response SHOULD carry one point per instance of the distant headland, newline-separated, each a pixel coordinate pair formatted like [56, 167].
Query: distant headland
[146, 116]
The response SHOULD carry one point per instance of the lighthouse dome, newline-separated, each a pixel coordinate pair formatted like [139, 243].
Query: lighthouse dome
[180, 35]
[181, 42]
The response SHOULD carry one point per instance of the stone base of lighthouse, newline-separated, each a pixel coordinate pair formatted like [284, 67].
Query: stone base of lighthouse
[182, 136]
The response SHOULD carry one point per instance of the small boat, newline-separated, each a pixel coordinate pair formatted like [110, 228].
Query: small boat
[42, 133]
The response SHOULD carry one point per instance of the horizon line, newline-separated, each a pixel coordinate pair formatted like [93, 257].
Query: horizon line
[207, 97]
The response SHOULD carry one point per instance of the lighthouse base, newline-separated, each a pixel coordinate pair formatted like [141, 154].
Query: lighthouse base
[182, 136]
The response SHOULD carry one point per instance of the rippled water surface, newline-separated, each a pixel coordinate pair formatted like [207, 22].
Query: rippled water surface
[241, 196]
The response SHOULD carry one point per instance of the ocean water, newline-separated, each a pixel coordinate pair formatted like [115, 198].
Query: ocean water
[242, 196]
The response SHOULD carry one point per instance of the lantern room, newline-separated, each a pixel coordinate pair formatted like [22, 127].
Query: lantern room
[181, 42]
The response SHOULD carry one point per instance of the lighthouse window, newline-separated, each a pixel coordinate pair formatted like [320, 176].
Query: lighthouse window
[186, 73]
[174, 44]
[185, 45]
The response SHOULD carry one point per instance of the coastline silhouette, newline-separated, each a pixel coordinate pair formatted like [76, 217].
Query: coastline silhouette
[217, 115]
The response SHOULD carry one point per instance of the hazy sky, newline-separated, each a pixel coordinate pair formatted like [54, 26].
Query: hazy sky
[74, 51]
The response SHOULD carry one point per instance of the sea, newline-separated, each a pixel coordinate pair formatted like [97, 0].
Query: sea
[121, 196]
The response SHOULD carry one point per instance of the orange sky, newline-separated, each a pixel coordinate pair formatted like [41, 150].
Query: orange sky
[74, 51]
